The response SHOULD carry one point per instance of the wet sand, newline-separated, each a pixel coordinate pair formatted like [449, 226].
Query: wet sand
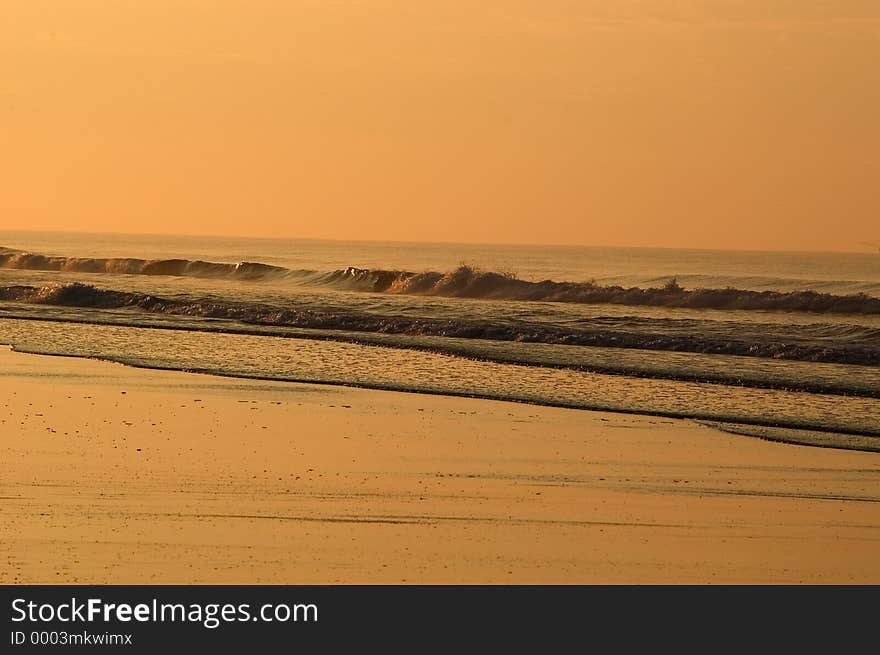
[110, 474]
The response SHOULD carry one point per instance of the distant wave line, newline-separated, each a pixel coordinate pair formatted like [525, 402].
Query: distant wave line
[463, 282]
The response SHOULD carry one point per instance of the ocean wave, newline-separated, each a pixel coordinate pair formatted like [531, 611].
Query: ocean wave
[859, 346]
[469, 282]
[16, 259]
[464, 282]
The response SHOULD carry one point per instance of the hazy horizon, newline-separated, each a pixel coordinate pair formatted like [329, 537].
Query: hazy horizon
[865, 249]
[703, 125]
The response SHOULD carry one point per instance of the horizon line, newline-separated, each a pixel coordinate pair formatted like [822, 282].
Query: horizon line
[866, 249]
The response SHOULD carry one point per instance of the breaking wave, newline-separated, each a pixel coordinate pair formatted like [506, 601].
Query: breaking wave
[463, 282]
[857, 346]
[468, 282]
[16, 259]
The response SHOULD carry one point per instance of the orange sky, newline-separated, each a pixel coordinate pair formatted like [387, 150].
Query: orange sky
[692, 123]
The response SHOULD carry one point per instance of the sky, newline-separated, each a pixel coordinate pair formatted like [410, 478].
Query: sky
[673, 123]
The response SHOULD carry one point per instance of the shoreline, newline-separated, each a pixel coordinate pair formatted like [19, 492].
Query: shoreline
[799, 434]
[377, 339]
[117, 474]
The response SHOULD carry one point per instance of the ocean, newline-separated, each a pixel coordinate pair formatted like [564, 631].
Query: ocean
[779, 345]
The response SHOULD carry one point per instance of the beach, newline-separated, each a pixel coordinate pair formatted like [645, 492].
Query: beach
[120, 475]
